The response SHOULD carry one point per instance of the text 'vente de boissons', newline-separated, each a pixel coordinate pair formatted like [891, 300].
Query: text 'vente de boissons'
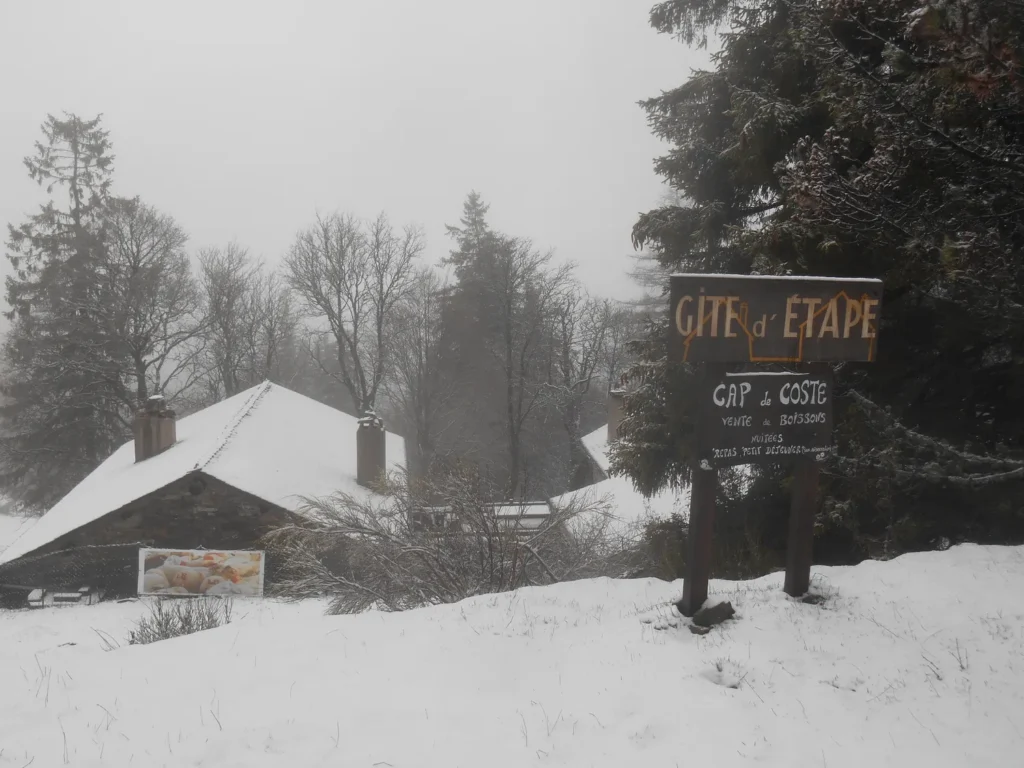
[764, 419]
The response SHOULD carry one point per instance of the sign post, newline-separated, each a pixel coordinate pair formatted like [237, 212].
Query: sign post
[800, 542]
[703, 489]
[765, 417]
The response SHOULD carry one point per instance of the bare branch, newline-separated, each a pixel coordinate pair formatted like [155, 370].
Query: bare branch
[435, 541]
[353, 278]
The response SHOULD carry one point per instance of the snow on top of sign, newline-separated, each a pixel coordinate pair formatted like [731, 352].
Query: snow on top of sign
[782, 277]
[770, 373]
[268, 441]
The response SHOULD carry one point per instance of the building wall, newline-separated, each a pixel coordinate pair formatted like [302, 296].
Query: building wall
[195, 512]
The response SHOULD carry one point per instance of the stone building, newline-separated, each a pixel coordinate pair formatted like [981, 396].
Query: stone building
[217, 479]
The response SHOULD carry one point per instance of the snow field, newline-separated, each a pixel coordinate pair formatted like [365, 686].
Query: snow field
[916, 661]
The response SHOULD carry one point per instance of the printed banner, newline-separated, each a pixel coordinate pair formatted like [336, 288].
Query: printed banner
[200, 572]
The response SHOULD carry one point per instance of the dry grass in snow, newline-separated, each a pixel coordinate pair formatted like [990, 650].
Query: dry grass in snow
[917, 661]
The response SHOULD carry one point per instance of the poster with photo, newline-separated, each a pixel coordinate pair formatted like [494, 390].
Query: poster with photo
[200, 572]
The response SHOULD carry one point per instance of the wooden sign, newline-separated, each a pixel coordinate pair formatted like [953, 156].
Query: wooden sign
[764, 418]
[755, 319]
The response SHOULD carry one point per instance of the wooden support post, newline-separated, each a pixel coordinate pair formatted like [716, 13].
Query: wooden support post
[699, 540]
[800, 547]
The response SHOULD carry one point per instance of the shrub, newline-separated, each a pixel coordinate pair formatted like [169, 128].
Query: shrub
[174, 618]
[435, 541]
[737, 549]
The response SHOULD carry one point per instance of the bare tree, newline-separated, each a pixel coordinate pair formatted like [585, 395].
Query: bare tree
[416, 386]
[270, 330]
[525, 290]
[227, 276]
[250, 321]
[625, 323]
[352, 278]
[151, 301]
[579, 328]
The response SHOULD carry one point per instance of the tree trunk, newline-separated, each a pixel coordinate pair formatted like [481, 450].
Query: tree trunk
[141, 388]
[514, 456]
[579, 464]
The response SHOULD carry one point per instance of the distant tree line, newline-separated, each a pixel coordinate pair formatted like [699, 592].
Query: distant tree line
[869, 138]
[498, 359]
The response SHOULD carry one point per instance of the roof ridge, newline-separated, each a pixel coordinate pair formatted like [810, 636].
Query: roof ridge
[229, 431]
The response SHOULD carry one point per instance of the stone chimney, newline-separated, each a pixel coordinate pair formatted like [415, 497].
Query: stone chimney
[154, 428]
[371, 450]
[614, 412]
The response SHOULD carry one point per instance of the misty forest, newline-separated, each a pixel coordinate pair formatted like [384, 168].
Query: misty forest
[857, 139]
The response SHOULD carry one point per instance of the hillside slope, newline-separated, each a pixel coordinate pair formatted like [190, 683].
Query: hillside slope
[917, 661]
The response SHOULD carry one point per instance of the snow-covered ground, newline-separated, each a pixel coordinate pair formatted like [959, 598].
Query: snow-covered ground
[917, 661]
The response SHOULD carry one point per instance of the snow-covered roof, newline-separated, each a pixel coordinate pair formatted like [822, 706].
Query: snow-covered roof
[624, 507]
[615, 499]
[268, 441]
[12, 527]
[596, 445]
[500, 508]
[512, 509]
[527, 516]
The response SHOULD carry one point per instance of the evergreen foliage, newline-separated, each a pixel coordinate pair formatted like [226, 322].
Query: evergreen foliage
[106, 311]
[873, 138]
[521, 347]
[63, 409]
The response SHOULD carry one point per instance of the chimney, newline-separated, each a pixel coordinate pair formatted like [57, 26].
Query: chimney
[614, 412]
[371, 451]
[154, 428]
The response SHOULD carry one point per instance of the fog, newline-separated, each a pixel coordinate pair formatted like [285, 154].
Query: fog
[242, 119]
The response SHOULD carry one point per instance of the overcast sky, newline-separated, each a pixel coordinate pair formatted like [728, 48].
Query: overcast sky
[242, 119]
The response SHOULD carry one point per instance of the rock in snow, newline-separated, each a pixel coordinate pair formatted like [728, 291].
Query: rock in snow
[710, 615]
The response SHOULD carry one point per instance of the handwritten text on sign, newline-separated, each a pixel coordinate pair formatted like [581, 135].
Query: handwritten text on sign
[764, 418]
[738, 318]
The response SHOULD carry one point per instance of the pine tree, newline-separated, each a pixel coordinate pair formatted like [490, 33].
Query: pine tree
[471, 237]
[726, 139]
[63, 389]
[876, 138]
[496, 352]
[468, 328]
